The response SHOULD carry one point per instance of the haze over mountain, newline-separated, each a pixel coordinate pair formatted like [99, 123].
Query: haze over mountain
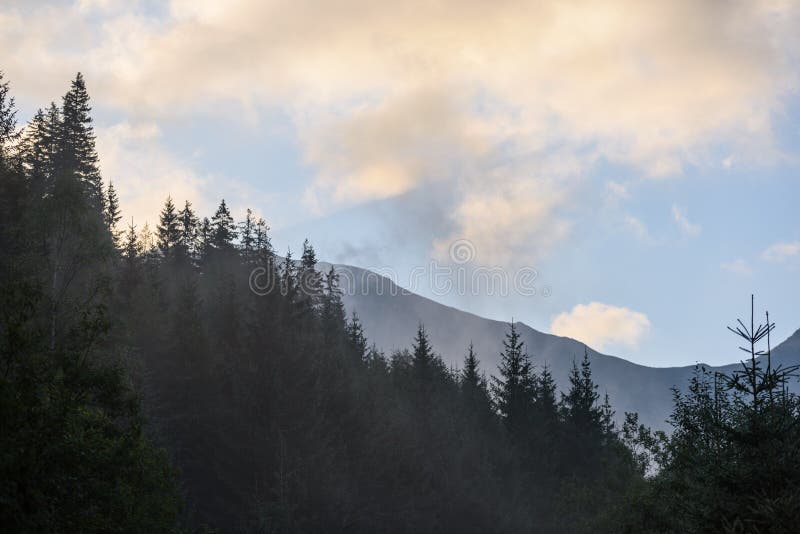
[391, 314]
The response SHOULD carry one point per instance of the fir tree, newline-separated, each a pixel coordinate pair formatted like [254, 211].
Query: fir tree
[8, 121]
[423, 359]
[168, 229]
[309, 280]
[513, 390]
[356, 340]
[112, 213]
[580, 402]
[607, 417]
[546, 403]
[248, 236]
[205, 236]
[332, 313]
[77, 152]
[187, 232]
[224, 229]
[470, 375]
[288, 285]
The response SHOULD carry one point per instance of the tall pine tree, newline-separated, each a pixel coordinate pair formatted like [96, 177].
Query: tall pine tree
[77, 152]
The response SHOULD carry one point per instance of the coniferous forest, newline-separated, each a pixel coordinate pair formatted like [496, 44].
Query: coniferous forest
[146, 388]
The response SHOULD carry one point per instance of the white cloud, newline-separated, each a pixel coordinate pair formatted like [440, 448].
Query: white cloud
[779, 252]
[508, 222]
[682, 220]
[737, 266]
[602, 325]
[391, 97]
[144, 174]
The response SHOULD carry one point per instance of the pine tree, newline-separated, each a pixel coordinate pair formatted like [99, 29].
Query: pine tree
[513, 390]
[333, 315]
[205, 236]
[288, 286]
[77, 152]
[580, 403]
[607, 417]
[248, 234]
[8, 121]
[546, 403]
[112, 213]
[132, 248]
[262, 241]
[264, 255]
[423, 359]
[168, 229]
[187, 230]
[224, 229]
[148, 243]
[309, 281]
[131, 259]
[356, 339]
[470, 375]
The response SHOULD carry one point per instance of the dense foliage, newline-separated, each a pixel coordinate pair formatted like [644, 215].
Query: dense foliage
[73, 455]
[732, 462]
[278, 415]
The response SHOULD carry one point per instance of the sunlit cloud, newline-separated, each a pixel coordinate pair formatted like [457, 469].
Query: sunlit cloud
[145, 174]
[479, 97]
[602, 325]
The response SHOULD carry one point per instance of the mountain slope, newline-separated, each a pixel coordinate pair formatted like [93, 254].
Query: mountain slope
[390, 316]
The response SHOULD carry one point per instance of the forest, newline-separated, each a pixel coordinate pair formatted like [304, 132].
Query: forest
[145, 387]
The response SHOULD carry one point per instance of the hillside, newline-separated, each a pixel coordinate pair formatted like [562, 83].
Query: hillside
[391, 314]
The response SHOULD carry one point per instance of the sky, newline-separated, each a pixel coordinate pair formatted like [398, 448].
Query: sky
[621, 172]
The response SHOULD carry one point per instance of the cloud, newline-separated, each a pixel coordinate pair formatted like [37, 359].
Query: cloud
[682, 220]
[144, 174]
[602, 325]
[464, 97]
[638, 228]
[779, 252]
[385, 150]
[737, 266]
[508, 221]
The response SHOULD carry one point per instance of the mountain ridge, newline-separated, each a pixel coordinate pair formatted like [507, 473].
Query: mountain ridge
[390, 315]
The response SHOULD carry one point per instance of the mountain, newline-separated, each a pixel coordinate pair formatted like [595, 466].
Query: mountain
[390, 316]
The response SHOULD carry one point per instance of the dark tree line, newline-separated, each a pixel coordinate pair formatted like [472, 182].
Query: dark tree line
[732, 462]
[73, 453]
[278, 415]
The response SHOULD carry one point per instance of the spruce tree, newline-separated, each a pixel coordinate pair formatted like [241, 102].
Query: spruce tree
[607, 417]
[205, 237]
[8, 121]
[309, 280]
[77, 152]
[423, 359]
[112, 213]
[248, 236]
[187, 230]
[332, 312]
[546, 403]
[470, 375]
[513, 390]
[288, 280]
[168, 229]
[580, 402]
[224, 228]
[356, 339]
